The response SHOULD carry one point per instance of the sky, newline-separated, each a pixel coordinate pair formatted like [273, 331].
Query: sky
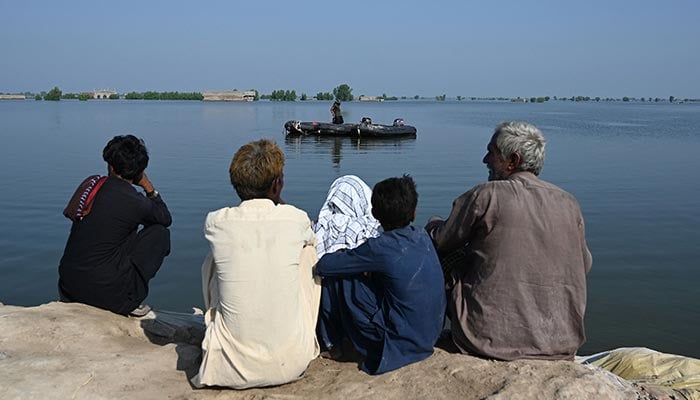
[496, 48]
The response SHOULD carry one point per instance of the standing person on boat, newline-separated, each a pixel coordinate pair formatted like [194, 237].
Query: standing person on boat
[336, 113]
[386, 296]
[108, 262]
[259, 291]
[517, 257]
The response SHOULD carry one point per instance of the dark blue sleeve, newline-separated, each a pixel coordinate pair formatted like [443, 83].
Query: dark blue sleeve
[364, 258]
[155, 212]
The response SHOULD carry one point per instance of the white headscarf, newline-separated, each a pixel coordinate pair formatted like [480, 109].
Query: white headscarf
[345, 220]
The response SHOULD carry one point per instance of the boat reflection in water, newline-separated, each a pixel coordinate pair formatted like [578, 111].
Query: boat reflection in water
[336, 145]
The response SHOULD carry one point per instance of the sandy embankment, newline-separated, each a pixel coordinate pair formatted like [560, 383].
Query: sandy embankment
[73, 351]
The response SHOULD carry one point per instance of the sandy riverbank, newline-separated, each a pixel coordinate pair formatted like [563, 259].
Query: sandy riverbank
[73, 351]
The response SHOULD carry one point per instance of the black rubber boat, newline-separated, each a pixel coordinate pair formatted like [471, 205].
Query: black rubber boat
[364, 129]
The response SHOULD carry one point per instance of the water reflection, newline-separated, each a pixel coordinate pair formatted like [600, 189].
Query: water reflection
[336, 145]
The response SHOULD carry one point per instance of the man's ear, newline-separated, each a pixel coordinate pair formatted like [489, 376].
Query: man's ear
[275, 191]
[513, 161]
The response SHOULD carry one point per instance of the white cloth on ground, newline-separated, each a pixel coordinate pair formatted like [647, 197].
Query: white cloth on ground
[672, 375]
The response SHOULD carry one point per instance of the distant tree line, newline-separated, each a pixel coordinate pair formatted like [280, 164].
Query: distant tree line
[342, 92]
[282, 95]
[324, 96]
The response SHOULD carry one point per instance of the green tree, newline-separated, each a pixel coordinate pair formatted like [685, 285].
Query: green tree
[303, 97]
[53, 94]
[114, 96]
[151, 95]
[416, 97]
[343, 93]
[37, 97]
[84, 96]
[440, 97]
[459, 98]
[625, 98]
[283, 95]
[671, 99]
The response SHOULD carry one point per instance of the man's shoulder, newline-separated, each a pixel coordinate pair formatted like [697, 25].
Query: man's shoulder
[123, 193]
[554, 189]
[282, 211]
[481, 190]
[292, 210]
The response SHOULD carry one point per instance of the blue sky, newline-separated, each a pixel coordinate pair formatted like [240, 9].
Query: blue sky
[403, 48]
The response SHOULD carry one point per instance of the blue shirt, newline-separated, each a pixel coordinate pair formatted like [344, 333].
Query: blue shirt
[410, 290]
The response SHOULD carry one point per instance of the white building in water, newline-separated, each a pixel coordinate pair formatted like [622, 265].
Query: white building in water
[102, 94]
[232, 95]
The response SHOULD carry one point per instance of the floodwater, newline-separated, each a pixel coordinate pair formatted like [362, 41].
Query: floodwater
[632, 166]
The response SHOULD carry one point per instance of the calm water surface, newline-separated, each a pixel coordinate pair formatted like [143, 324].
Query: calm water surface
[633, 168]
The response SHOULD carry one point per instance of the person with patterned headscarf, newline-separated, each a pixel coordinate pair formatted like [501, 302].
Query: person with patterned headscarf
[345, 220]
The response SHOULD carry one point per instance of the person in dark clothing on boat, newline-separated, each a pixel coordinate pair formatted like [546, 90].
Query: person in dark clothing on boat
[335, 112]
[108, 261]
[385, 296]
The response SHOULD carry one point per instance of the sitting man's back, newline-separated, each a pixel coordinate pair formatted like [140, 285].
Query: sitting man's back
[108, 261]
[518, 290]
[261, 299]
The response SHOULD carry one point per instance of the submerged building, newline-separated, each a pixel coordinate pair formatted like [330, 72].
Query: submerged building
[12, 97]
[232, 95]
[370, 98]
[102, 94]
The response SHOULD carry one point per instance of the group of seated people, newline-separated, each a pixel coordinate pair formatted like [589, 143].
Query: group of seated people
[507, 268]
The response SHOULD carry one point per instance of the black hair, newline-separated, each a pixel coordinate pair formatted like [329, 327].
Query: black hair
[127, 155]
[394, 202]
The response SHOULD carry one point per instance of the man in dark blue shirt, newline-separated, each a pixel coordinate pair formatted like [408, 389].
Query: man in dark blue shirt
[386, 296]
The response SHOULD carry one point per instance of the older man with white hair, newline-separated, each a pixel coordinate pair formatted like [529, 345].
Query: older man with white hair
[515, 257]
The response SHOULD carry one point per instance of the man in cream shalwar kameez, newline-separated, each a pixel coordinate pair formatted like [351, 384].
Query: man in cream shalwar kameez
[261, 298]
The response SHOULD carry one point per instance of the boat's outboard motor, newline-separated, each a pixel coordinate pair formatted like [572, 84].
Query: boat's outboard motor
[398, 122]
[366, 121]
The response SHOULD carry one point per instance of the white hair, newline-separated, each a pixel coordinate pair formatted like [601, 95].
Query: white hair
[522, 138]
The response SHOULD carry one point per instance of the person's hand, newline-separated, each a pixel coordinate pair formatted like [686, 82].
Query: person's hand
[433, 222]
[145, 183]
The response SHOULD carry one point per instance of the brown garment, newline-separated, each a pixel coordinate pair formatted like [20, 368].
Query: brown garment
[519, 290]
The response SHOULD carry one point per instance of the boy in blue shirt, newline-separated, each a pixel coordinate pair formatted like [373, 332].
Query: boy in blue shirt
[386, 296]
